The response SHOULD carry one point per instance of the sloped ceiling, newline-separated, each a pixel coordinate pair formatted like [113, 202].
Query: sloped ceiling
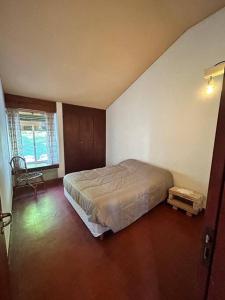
[87, 52]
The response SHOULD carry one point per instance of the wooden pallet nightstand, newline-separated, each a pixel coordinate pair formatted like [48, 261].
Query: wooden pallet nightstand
[190, 201]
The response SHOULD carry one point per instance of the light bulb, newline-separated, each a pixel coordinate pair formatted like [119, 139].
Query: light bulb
[210, 86]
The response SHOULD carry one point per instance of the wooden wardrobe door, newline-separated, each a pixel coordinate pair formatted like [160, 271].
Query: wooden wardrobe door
[71, 138]
[84, 138]
[99, 138]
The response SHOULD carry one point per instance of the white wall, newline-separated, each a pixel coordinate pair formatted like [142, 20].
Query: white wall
[61, 169]
[5, 171]
[166, 118]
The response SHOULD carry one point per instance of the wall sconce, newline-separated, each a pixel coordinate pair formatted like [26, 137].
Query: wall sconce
[210, 86]
[214, 71]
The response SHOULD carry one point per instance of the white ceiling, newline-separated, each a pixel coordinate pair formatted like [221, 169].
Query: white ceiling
[87, 52]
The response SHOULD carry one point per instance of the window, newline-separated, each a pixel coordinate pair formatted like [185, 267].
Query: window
[33, 135]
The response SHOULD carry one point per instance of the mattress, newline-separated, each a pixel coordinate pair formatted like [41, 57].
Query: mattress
[116, 196]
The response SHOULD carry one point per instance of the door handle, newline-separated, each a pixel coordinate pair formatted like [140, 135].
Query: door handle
[4, 224]
[208, 245]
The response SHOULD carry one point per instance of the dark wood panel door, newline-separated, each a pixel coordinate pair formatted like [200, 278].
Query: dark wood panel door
[214, 203]
[84, 138]
[216, 289]
[4, 269]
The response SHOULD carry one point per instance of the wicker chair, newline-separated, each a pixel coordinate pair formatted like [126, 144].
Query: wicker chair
[24, 178]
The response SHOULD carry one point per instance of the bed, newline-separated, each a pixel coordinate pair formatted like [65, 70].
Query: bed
[113, 197]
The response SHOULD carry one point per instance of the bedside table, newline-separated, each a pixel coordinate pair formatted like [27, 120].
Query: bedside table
[188, 200]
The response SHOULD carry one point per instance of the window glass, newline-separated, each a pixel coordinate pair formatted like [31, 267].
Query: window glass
[34, 137]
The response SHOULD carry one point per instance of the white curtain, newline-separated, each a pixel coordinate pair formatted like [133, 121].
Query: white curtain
[15, 137]
[14, 132]
[52, 144]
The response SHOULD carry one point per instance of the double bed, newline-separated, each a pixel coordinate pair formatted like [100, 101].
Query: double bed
[113, 197]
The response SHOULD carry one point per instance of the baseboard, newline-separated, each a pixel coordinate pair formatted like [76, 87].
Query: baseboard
[54, 181]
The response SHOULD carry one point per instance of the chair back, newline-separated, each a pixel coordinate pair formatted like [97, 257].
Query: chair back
[18, 165]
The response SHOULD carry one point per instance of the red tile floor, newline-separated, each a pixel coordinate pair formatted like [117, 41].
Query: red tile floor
[53, 256]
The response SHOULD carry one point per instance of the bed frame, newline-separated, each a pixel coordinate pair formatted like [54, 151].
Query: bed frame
[96, 230]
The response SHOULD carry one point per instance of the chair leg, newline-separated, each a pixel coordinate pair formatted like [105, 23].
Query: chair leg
[44, 183]
[34, 187]
[35, 191]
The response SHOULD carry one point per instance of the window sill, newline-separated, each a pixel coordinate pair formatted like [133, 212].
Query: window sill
[39, 167]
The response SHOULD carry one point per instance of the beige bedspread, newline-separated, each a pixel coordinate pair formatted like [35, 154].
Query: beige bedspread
[116, 196]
